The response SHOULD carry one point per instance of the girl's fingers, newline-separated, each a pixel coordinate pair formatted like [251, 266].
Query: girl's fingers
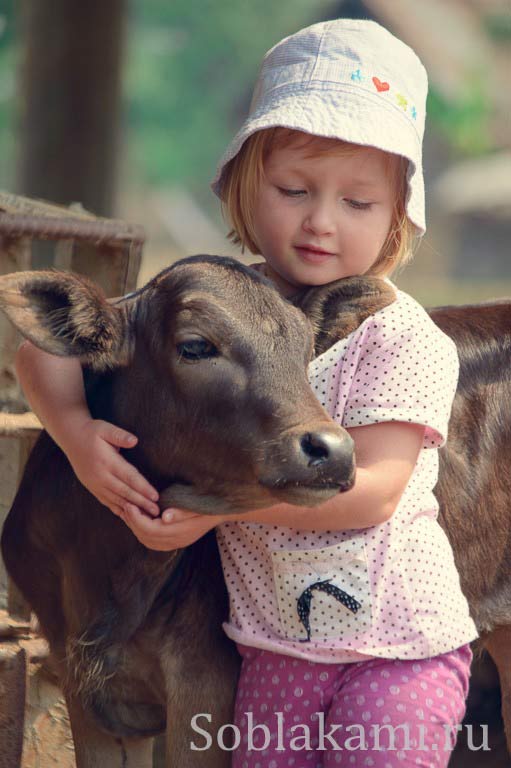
[115, 504]
[117, 436]
[173, 515]
[117, 511]
[129, 475]
[153, 533]
[125, 493]
[145, 525]
[156, 534]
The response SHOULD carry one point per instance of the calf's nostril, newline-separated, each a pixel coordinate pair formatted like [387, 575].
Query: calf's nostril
[316, 448]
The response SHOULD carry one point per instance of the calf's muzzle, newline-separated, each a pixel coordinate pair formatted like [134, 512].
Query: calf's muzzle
[311, 464]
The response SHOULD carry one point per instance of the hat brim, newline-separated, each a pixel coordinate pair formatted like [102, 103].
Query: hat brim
[341, 114]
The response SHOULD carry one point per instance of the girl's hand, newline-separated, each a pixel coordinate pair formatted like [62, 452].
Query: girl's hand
[93, 452]
[177, 528]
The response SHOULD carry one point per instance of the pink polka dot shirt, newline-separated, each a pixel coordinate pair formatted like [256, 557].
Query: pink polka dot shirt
[391, 590]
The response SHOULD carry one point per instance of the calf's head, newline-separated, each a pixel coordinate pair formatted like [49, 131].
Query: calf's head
[207, 365]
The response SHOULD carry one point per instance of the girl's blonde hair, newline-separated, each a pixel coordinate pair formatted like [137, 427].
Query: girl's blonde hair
[243, 175]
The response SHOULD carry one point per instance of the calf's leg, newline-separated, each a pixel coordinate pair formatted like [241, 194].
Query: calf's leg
[203, 687]
[498, 645]
[96, 749]
[180, 734]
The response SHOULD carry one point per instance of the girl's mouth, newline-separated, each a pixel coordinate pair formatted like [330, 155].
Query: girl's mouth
[312, 255]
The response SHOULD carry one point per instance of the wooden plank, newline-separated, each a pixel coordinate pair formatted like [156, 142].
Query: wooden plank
[20, 425]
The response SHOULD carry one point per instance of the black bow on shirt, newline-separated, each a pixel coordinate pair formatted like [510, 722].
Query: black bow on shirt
[303, 603]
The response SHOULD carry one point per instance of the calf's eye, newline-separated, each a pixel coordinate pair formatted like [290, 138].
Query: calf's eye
[196, 349]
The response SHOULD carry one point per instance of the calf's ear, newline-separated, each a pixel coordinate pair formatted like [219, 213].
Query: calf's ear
[337, 309]
[68, 315]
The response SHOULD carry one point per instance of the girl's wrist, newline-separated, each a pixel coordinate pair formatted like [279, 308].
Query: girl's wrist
[70, 432]
[219, 519]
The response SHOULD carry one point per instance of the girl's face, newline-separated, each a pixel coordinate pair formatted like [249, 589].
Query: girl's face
[322, 217]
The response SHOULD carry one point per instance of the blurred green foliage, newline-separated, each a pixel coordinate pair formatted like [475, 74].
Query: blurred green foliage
[498, 26]
[190, 70]
[464, 121]
[8, 73]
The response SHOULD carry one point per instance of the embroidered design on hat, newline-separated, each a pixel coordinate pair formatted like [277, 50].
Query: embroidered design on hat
[402, 102]
[379, 85]
[382, 86]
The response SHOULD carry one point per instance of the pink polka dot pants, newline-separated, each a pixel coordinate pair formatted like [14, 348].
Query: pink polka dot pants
[384, 713]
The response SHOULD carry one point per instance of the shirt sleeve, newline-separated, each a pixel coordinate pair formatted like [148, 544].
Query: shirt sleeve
[411, 377]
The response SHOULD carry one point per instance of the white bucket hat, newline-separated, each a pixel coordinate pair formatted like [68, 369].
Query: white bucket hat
[345, 79]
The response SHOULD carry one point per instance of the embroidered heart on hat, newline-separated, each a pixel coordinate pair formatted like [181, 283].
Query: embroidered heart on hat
[379, 85]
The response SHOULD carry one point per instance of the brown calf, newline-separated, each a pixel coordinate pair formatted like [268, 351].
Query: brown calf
[207, 365]
[136, 608]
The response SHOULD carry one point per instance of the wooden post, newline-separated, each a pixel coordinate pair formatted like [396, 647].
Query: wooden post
[14, 256]
[71, 94]
[13, 684]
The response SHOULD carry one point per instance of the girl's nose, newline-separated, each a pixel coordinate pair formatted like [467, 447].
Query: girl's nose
[319, 219]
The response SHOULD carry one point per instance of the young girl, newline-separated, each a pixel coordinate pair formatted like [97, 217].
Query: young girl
[349, 617]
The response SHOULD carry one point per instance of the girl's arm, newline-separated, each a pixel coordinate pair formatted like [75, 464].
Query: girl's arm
[386, 454]
[54, 389]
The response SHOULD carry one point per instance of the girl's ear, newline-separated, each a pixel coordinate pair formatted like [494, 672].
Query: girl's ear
[68, 315]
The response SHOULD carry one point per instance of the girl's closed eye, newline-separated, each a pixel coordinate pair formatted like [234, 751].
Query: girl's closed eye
[358, 205]
[287, 192]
